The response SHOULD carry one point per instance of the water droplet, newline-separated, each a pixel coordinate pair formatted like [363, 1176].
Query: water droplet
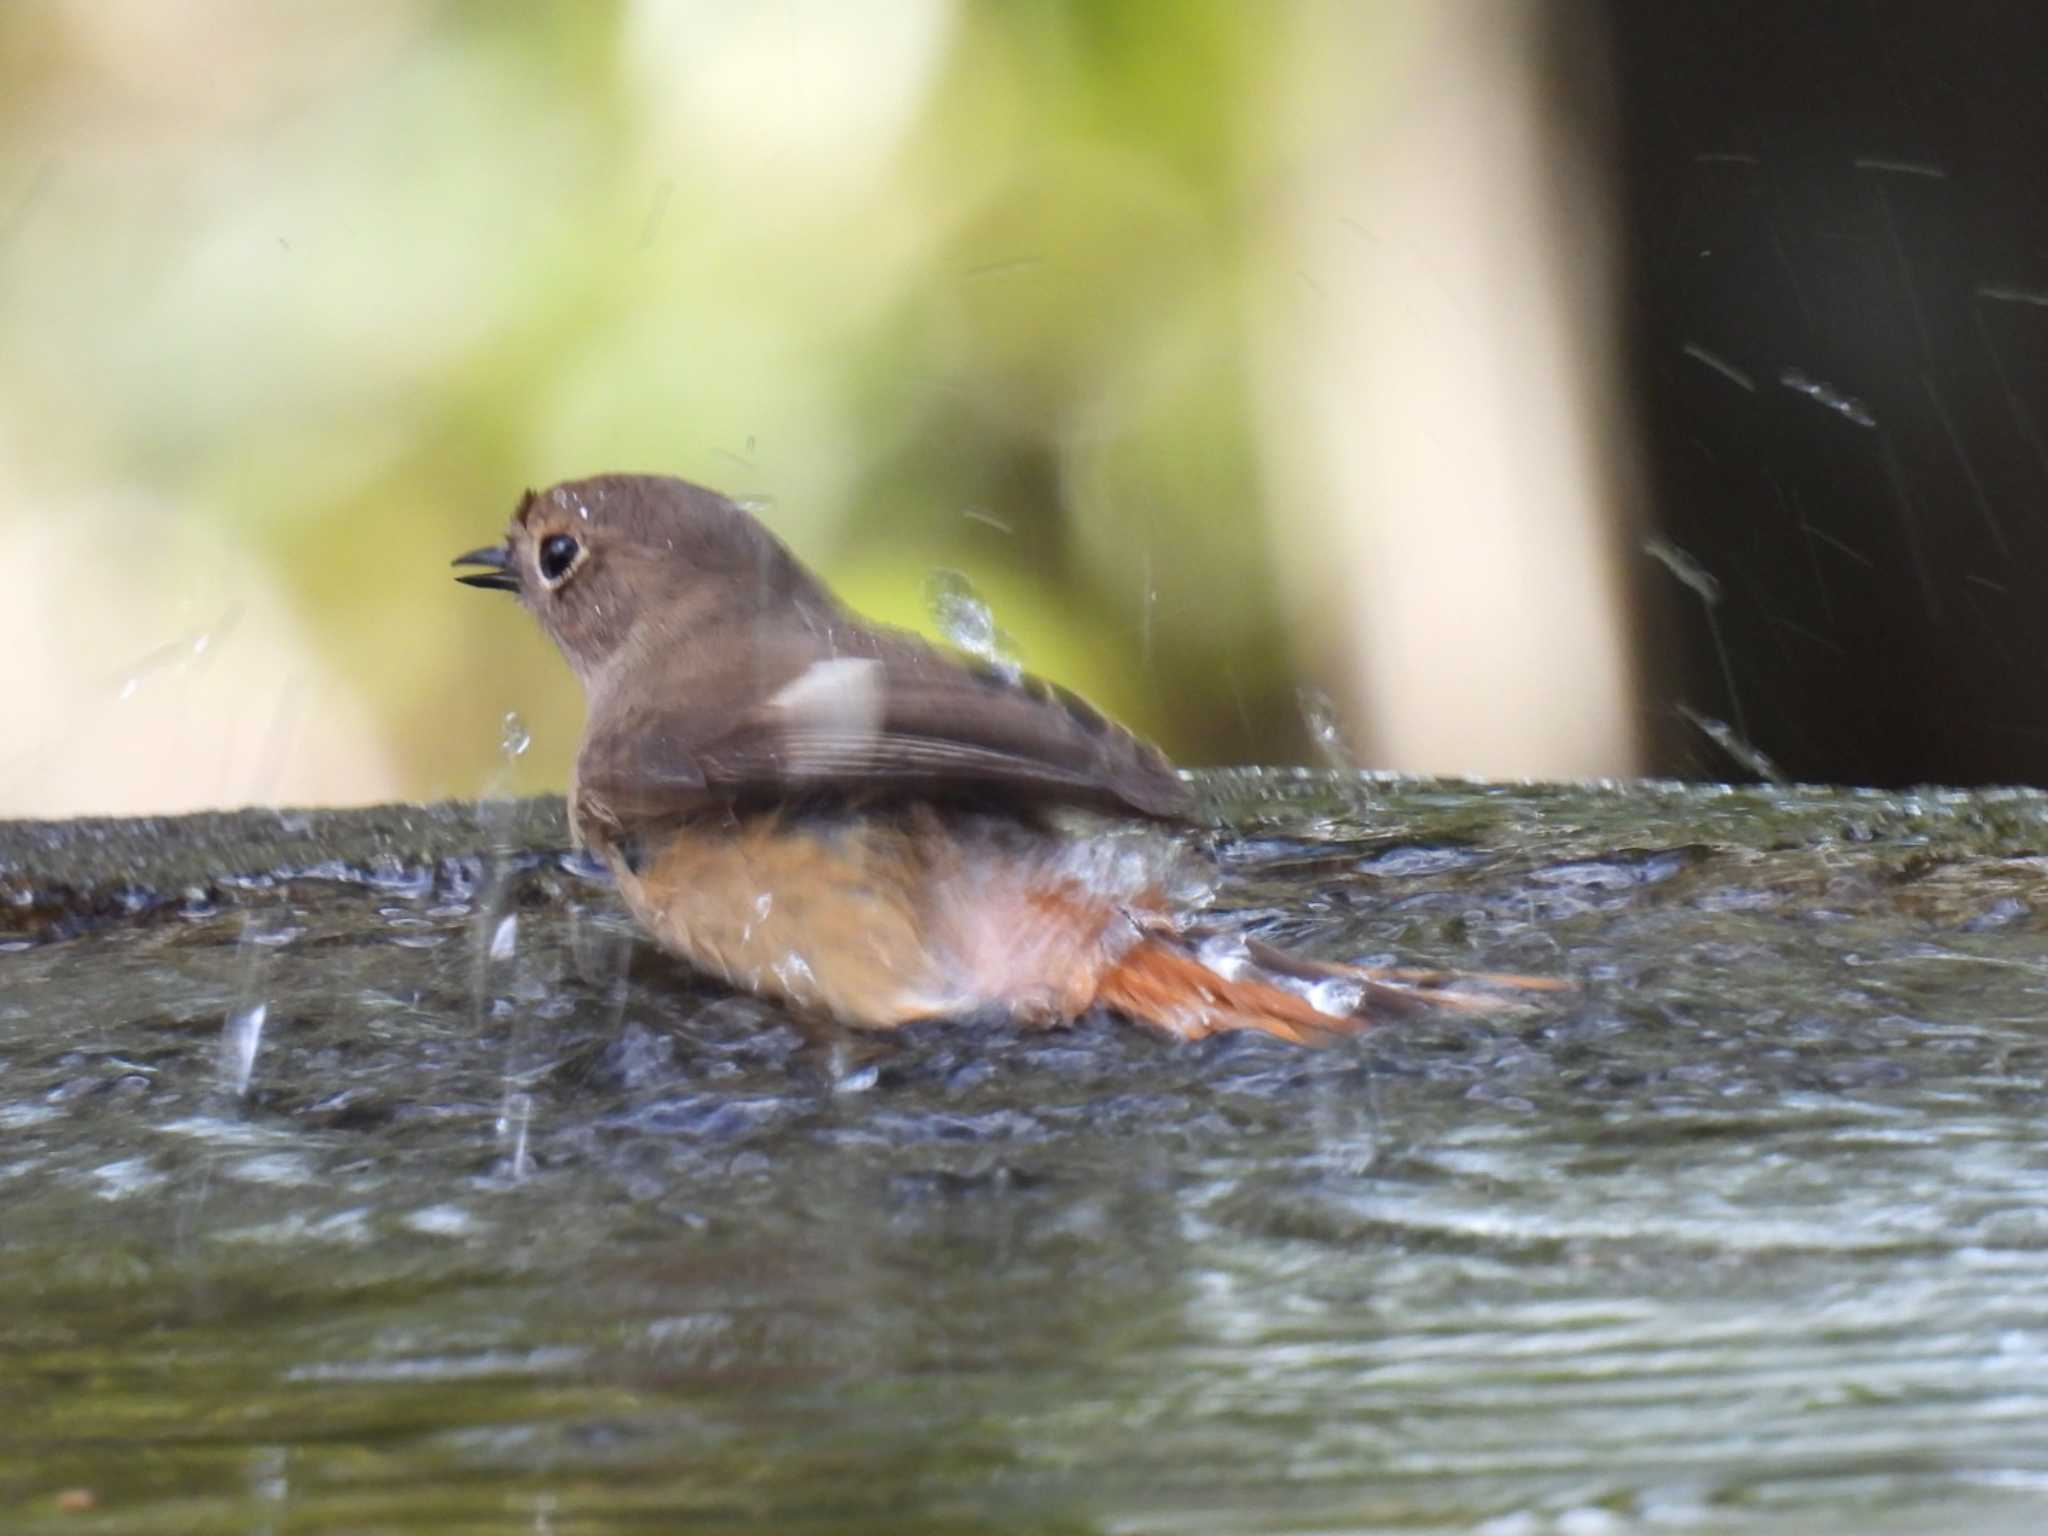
[1735, 745]
[513, 1120]
[441, 1221]
[764, 903]
[239, 1040]
[1704, 584]
[1844, 405]
[1339, 998]
[967, 621]
[1319, 712]
[859, 1080]
[514, 738]
[848, 1073]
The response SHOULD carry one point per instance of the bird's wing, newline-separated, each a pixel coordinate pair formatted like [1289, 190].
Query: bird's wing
[862, 708]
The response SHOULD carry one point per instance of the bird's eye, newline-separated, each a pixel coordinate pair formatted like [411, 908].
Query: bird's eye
[557, 554]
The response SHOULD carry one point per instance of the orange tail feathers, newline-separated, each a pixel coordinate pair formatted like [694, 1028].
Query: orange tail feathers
[1159, 983]
[1409, 983]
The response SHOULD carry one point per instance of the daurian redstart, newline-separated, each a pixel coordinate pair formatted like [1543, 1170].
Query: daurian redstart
[847, 818]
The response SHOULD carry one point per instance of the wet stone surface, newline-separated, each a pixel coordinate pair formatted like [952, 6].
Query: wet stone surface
[363, 1171]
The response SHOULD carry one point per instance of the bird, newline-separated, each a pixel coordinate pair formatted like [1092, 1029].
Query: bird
[860, 824]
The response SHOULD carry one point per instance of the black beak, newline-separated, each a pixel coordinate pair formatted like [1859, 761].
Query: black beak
[499, 578]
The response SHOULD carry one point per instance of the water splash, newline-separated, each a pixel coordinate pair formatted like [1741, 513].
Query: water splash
[1846, 406]
[987, 520]
[1319, 714]
[513, 737]
[1722, 735]
[1706, 586]
[240, 1039]
[514, 1120]
[1897, 167]
[1720, 365]
[967, 621]
[188, 651]
[764, 905]
[242, 1033]
[496, 927]
[2005, 293]
[848, 1072]
[1703, 582]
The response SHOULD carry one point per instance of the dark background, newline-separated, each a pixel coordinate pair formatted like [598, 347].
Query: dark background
[1850, 194]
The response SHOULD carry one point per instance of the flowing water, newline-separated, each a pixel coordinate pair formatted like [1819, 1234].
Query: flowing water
[362, 1172]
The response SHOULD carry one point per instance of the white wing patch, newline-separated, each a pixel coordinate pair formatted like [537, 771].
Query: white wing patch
[830, 702]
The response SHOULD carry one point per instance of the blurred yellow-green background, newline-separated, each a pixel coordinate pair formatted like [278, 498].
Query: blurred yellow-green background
[1236, 353]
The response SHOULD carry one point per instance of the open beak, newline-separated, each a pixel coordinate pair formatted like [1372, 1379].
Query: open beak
[499, 577]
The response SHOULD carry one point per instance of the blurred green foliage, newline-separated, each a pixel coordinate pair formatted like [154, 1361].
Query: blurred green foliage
[957, 285]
